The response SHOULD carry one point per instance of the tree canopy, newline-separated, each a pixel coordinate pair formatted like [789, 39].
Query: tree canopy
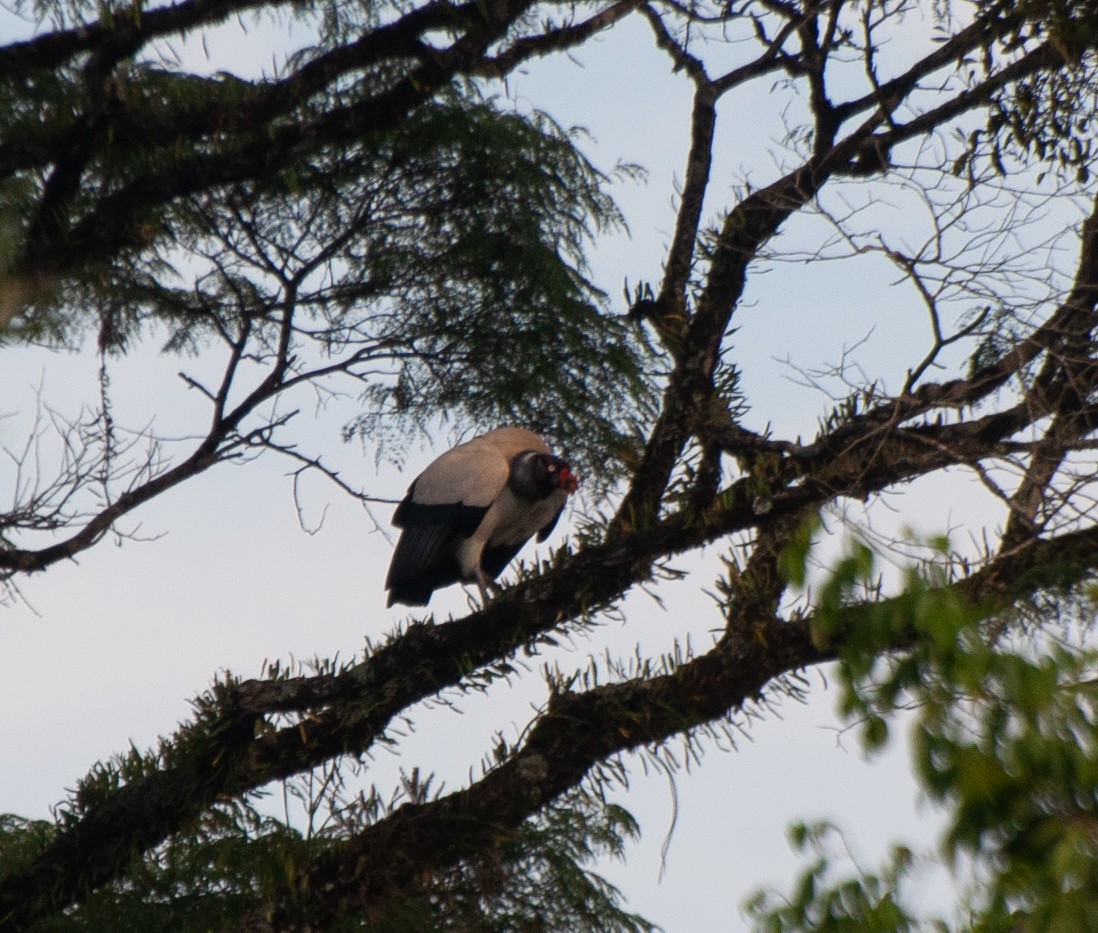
[374, 219]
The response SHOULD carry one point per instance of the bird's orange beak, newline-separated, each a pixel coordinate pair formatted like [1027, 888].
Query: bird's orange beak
[567, 480]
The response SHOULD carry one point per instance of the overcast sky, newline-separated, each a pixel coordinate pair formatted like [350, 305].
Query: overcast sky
[219, 574]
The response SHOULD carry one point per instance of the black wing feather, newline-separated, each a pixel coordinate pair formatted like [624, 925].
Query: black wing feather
[424, 557]
[548, 529]
[416, 591]
[462, 519]
[419, 547]
[494, 559]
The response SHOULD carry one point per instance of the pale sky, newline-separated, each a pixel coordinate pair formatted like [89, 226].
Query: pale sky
[107, 650]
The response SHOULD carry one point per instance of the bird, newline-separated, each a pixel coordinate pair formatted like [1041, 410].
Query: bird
[472, 509]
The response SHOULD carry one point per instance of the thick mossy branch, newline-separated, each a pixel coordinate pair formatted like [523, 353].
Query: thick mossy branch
[574, 733]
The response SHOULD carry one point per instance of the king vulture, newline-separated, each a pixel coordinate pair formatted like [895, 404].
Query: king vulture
[468, 514]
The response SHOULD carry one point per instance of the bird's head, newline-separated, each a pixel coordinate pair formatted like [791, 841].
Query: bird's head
[556, 473]
[561, 475]
[535, 474]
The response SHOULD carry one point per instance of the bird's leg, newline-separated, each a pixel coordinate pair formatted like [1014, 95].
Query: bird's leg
[482, 583]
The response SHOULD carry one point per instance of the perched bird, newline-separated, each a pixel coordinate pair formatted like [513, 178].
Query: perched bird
[468, 514]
